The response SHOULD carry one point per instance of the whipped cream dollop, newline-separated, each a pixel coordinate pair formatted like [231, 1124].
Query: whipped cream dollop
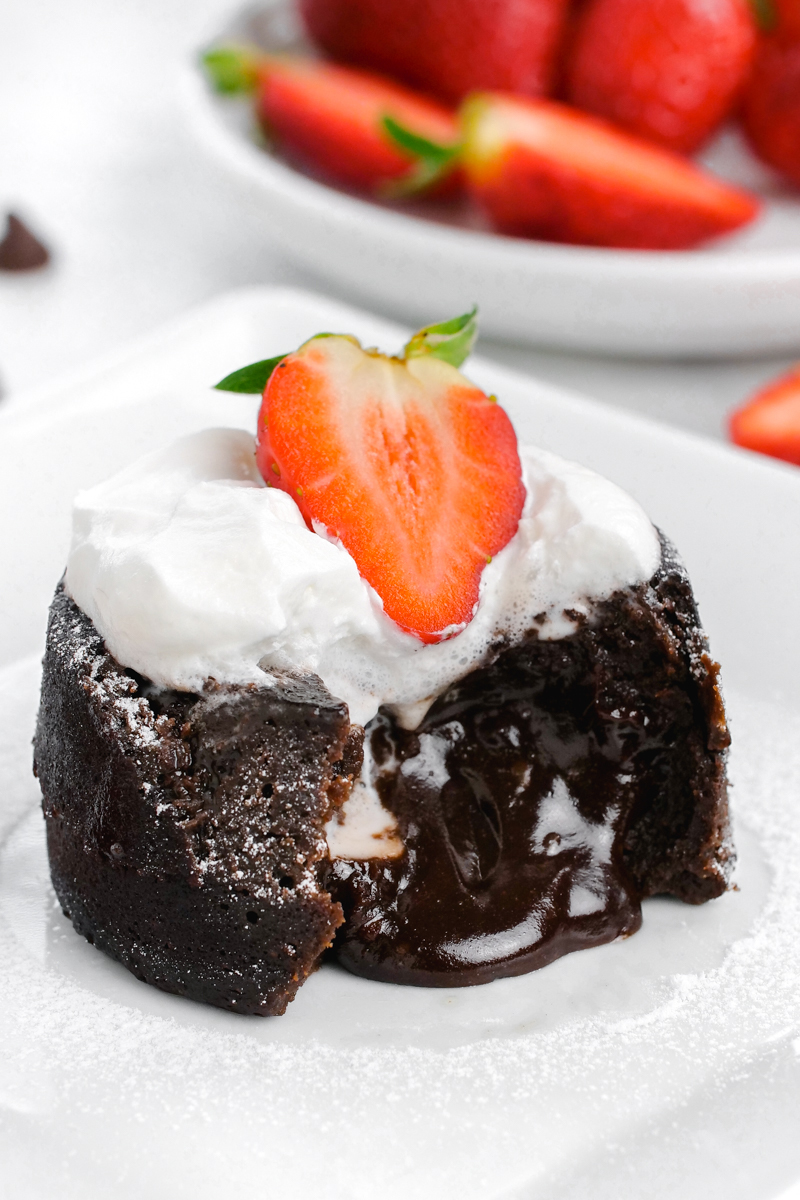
[190, 569]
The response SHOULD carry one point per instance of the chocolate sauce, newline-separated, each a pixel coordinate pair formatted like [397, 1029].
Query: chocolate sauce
[19, 249]
[541, 798]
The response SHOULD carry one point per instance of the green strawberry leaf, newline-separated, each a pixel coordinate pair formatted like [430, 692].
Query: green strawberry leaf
[233, 70]
[432, 161]
[252, 379]
[765, 15]
[452, 341]
[414, 144]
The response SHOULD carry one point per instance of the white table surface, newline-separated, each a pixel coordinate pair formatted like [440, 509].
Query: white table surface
[94, 151]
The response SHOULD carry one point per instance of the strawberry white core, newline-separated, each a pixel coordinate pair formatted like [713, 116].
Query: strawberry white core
[191, 568]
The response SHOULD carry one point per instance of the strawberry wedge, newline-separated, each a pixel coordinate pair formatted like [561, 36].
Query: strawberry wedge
[543, 170]
[770, 422]
[403, 460]
[348, 125]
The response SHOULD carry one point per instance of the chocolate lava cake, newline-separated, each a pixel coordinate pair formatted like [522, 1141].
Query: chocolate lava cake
[542, 797]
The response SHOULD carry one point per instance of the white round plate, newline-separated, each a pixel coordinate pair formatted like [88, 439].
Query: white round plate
[740, 296]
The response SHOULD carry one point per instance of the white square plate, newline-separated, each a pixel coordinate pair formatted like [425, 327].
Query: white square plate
[666, 1065]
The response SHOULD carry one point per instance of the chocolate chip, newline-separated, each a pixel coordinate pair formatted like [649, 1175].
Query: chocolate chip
[19, 249]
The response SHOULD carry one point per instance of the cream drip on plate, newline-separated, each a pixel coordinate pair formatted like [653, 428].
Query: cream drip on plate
[362, 828]
[191, 568]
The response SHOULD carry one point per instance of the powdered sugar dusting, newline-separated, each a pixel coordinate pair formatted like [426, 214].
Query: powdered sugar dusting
[591, 1069]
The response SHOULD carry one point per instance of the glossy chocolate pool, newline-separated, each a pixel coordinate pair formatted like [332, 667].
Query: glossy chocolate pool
[543, 797]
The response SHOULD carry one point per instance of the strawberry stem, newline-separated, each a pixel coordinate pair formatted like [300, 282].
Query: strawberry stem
[233, 70]
[250, 380]
[432, 161]
[451, 341]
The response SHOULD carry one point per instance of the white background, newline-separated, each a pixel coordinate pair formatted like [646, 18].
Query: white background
[95, 152]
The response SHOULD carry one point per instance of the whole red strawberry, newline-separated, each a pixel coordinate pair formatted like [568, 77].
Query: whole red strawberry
[449, 47]
[669, 70]
[771, 108]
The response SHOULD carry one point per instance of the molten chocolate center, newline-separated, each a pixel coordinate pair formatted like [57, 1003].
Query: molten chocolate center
[533, 801]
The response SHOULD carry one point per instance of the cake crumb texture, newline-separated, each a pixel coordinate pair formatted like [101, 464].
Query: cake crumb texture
[185, 831]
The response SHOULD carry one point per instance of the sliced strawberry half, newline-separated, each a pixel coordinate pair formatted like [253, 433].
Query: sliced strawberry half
[770, 421]
[412, 467]
[349, 125]
[541, 169]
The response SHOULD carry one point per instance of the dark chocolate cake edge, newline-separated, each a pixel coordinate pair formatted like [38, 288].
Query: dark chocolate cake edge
[190, 847]
[185, 832]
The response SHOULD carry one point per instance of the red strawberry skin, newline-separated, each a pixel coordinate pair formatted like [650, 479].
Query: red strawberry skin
[771, 108]
[330, 118]
[786, 17]
[770, 422]
[409, 465]
[668, 70]
[540, 169]
[448, 47]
